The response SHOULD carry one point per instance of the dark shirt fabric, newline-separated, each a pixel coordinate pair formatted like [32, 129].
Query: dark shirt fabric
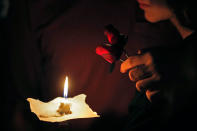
[184, 97]
[174, 108]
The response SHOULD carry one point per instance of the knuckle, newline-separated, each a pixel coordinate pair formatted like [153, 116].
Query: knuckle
[138, 87]
[148, 58]
[131, 75]
[130, 59]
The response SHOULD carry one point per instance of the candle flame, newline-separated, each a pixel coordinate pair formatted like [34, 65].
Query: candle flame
[66, 87]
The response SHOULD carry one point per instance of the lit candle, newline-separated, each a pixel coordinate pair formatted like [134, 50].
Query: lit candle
[66, 87]
[61, 109]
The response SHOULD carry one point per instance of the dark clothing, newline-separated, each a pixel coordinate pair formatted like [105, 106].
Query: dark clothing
[175, 106]
[184, 94]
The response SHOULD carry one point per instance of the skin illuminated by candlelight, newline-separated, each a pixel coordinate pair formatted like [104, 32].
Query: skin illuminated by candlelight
[158, 10]
[154, 11]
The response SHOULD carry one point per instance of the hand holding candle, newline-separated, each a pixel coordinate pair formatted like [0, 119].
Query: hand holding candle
[61, 108]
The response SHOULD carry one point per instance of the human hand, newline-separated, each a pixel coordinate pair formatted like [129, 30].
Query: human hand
[142, 69]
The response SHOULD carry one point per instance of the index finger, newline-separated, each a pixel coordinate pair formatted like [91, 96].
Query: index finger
[130, 63]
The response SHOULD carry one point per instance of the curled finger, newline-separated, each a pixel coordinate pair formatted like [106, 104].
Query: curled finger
[144, 84]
